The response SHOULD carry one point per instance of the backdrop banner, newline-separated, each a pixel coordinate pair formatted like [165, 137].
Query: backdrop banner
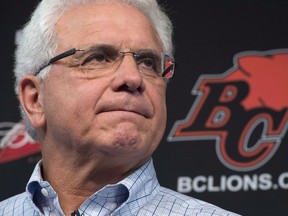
[226, 140]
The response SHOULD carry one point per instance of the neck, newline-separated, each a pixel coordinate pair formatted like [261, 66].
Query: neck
[75, 178]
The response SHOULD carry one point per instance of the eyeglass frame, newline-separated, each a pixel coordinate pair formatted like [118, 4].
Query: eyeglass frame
[74, 50]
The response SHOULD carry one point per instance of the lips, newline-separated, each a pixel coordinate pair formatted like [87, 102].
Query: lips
[132, 106]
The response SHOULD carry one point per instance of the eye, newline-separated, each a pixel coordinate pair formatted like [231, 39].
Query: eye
[147, 61]
[97, 57]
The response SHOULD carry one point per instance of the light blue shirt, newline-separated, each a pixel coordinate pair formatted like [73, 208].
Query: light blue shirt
[138, 194]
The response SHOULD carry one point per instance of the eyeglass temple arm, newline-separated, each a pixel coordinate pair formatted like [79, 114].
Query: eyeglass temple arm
[168, 70]
[58, 57]
[62, 55]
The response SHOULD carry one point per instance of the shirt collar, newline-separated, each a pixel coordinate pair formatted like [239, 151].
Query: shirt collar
[140, 185]
[144, 177]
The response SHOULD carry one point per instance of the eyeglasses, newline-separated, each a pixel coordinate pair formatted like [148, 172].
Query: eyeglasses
[100, 59]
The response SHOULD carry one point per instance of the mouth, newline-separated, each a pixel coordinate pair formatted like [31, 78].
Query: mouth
[125, 106]
[126, 112]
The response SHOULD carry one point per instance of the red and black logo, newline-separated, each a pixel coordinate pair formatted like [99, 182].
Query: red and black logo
[245, 110]
[15, 142]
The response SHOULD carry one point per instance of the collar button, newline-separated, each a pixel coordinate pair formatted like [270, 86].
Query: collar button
[45, 192]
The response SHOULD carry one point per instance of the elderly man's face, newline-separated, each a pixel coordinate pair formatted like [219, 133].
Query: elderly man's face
[118, 113]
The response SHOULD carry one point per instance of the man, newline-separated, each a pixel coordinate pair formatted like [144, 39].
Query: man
[91, 78]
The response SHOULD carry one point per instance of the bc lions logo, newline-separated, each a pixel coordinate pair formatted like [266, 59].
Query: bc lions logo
[15, 142]
[245, 110]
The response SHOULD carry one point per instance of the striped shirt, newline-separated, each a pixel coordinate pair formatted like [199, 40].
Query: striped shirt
[138, 194]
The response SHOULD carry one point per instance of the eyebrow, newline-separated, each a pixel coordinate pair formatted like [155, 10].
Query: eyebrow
[111, 48]
[98, 47]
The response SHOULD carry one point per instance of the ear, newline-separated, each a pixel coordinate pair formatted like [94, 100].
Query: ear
[31, 100]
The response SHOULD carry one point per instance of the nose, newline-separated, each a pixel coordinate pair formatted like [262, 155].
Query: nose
[127, 76]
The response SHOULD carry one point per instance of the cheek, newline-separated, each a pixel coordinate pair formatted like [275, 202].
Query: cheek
[158, 98]
[69, 102]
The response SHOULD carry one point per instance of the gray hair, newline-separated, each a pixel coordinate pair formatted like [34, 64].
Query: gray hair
[38, 42]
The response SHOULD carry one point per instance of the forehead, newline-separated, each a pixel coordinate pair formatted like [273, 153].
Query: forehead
[118, 24]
